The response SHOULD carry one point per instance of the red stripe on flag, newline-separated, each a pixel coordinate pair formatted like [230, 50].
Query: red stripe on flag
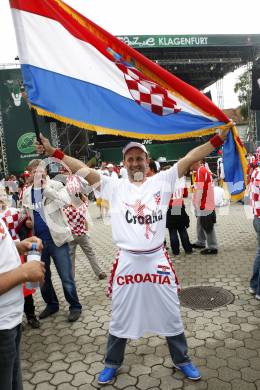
[163, 266]
[52, 10]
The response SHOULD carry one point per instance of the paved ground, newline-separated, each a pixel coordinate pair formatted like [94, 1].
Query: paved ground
[224, 343]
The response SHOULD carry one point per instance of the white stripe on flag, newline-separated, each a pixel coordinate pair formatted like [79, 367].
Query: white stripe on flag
[46, 44]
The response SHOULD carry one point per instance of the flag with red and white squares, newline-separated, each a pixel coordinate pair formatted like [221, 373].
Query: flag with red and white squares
[148, 94]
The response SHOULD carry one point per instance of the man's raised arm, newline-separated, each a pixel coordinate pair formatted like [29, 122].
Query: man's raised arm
[201, 152]
[76, 166]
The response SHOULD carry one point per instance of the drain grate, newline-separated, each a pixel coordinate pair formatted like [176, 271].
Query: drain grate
[205, 297]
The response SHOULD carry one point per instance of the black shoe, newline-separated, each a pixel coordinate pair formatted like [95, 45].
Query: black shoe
[74, 315]
[47, 312]
[208, 251]
[33, 322]
[102, 275]
[189, 252]
[196, 246]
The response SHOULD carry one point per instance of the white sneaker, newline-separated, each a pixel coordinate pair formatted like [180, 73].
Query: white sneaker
[251, 291]
[257, 297]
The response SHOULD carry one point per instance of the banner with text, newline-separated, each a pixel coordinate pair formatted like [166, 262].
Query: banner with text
[19, 135]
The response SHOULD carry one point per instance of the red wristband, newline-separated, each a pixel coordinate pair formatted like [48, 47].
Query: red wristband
[216, 141]
[58, 154]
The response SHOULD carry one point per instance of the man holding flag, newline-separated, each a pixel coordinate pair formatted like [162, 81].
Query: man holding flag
[82, 75]
[143, 283]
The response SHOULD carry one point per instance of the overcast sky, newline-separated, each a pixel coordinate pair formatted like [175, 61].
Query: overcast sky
[146, 17]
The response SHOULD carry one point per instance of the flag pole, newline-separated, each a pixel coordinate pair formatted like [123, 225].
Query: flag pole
[33, 114]
[35, 124]
[33, 111]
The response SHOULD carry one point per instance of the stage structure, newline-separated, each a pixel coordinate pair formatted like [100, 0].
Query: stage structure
[16, 126]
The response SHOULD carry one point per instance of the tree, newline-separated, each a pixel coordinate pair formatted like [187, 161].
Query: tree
[242, 87]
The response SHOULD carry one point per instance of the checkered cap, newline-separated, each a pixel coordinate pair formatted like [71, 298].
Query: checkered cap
[76, 184]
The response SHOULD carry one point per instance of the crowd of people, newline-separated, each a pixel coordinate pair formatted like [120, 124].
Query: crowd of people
[142, 199]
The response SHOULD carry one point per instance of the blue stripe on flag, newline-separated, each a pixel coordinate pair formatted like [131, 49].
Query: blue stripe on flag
[234, 176]
[163, 273]
[85, 102]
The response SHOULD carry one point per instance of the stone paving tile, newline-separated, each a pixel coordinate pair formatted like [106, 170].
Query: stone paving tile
[242, 385]
[224, 343]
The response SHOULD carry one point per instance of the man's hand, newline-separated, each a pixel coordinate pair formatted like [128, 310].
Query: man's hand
[24, 246]
[44, 147]
[33, 271]
[223, 133]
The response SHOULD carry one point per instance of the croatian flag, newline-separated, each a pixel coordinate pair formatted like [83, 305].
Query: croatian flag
[76, 72]
[163, 269]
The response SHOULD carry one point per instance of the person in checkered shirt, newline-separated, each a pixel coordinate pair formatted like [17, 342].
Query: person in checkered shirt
[77, 219]
[254, 288]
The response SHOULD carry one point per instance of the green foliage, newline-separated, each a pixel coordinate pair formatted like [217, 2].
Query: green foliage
[242, 87]
[244, 111]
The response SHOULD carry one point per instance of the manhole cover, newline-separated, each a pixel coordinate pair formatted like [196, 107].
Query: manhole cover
[205, 297]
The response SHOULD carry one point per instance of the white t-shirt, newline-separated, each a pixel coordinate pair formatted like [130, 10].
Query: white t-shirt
[11, 303]
[220, 165]
[138, 212]
[219, 196]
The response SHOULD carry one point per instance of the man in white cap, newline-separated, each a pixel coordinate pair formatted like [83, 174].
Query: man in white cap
[111, 171]
[143, 283]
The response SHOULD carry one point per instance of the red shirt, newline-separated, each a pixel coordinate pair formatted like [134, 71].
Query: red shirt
[203, 198]
[255, 192]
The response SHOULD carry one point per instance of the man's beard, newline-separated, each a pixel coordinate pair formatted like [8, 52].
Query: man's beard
[138, 176]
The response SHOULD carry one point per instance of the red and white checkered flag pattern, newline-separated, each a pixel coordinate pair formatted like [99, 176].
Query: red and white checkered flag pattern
[147, 93]
[11, 220]
[77, 219]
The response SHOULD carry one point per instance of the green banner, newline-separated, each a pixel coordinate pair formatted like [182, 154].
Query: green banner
[17, 122]
[190, 40]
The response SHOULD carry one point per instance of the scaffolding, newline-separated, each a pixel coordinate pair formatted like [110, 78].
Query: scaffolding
[4, 162]
[72, 140]
[252, 128]
[220, 94]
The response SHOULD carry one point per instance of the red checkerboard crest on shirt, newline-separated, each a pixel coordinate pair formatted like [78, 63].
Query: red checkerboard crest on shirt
[157, 197]
[147, 93]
